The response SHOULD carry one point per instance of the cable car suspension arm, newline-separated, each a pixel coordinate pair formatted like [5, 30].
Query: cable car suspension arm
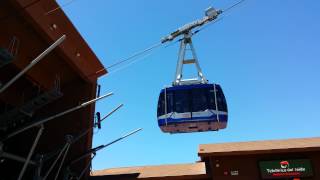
[210, 15]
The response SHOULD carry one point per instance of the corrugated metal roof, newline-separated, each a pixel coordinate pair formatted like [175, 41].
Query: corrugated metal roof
[257, 147]
[181, 170]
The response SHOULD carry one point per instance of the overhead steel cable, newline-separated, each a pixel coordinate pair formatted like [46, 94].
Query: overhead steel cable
[132, 57]
[219, 19]
[135, 55]
[131, 62]
[205, 27]
[234, 5]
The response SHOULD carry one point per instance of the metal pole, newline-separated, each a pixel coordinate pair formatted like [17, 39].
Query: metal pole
[111, 112]
[103, 146]
[89, 129]
[129, 134]
[34, 62]
[94, 150]
[62, 161]
[55, 161]
[70, 141]
[31, 152]
[86, 168]
[55, 116]
[179, 67]
[200, 74]
[15, 157]
[165, 105]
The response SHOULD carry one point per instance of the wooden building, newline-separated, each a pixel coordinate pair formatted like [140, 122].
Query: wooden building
[291, 159]
[63, 79]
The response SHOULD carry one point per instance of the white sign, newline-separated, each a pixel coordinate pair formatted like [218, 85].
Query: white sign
[234, 173]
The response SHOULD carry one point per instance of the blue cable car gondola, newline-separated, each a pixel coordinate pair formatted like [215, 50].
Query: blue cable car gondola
[191, 105]
[192, 108]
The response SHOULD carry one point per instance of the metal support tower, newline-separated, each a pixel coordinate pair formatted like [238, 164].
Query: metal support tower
[181, 61]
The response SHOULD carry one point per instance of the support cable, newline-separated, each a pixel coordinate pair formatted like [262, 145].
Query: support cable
[232, 6]
[135, 55]
[133, 61]
[132, 57]
[60, 7]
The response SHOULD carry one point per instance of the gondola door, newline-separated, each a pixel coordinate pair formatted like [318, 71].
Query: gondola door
[182, 105]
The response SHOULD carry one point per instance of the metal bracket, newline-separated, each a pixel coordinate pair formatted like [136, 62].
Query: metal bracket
[14, 157]
[181, 61]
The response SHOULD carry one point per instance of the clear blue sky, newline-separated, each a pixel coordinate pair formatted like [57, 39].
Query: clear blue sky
[265, 55]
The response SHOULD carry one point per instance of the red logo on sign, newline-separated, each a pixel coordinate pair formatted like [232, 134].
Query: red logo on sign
[284, 164]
